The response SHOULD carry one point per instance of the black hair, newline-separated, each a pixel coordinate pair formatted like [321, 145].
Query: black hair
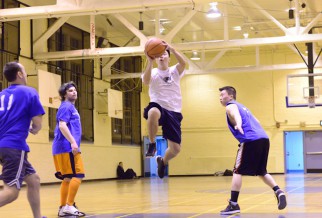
[10, 70]
[63, 89]
[230, 90]
[168, 52]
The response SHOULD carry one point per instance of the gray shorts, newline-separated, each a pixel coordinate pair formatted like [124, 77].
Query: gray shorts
[15, 166]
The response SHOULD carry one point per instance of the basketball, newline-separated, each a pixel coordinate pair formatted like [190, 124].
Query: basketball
[155, 47]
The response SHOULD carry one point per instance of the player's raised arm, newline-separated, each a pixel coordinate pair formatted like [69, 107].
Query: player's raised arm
[181, 62]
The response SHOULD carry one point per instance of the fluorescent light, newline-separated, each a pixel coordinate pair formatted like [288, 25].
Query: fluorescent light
[245, 34]
[161, 28]
[213, 11]
[195, 56]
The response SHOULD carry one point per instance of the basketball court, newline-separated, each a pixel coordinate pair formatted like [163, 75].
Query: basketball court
[183, 196]
[196, 196]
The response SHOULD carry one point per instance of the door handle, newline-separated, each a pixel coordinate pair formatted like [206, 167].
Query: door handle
[314, 153]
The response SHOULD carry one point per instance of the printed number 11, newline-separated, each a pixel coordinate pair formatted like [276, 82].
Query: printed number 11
[9, 103]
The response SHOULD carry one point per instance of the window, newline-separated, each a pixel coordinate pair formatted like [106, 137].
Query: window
[79, 71]
[11, 37]
[128, 130]
[9, 41]
[5, 57]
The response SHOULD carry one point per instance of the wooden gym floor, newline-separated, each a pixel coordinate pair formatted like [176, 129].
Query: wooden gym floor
[198, 196]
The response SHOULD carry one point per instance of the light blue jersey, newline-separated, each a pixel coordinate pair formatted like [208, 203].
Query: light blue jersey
[252, 128]
[18, 105]
[67, 113]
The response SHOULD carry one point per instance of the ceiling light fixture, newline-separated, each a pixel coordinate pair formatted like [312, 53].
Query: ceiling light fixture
[195, 56]
[290, 11]
[141, 24]
[303, 5]
[213, 11]
[161, 28]
[245, 34]
[102, 43]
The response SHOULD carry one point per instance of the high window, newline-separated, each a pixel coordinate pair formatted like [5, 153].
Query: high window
[79, 71]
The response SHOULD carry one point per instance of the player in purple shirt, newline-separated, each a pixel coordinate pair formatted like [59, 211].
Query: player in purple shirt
[66, 150]
[20, 113]
[253, 149]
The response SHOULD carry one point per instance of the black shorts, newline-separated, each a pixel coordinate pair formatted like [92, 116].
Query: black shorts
[15, 166]
[252, 158]
[169, 120]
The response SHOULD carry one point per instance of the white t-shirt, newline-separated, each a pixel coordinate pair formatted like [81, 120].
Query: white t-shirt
[164, 88]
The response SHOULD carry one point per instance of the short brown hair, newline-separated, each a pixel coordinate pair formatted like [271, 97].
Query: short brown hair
[230, 90]
[10, 70]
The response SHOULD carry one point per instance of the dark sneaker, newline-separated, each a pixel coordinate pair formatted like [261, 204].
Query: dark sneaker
[230, 209]
[281, 199]
[151, 150]
[161, 167]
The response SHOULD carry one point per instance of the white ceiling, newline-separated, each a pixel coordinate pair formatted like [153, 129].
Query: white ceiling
[186, 27]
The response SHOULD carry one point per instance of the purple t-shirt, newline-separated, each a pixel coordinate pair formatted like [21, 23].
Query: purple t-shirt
[67, 113]
[18, 105]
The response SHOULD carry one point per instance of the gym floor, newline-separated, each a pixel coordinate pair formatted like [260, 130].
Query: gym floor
[195, 196]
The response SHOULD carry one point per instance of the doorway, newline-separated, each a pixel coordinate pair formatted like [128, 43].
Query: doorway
[303, 151]
[150, 164]
[294, 159]
[313, 151]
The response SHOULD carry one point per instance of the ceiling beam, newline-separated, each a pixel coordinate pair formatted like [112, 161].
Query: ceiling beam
[312, 23]
[203, 45]
[107, 66]
[266, 14]
[257, 69]
[42, 40]
[179, 25]
[215, 59]
[132, 28]
[89, 8]
[248, 69]
[221, 44]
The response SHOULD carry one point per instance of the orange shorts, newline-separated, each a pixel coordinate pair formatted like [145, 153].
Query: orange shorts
[68, 165]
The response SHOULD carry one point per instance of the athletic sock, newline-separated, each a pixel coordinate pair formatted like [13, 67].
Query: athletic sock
[275, 188]
[73, 188]
[234, 196]
[64, 192]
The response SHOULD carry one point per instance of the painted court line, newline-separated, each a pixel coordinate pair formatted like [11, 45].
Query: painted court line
[156, 208]
[252, 197]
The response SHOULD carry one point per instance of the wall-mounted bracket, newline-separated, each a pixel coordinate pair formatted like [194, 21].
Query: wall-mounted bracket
[103, 92]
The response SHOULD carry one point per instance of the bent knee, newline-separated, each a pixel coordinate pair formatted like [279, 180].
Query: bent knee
[11, 194]
[33, 180]
[175, 149]
[154, 113]
[14, 196]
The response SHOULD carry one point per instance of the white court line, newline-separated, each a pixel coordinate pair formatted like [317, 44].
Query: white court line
[249, 198]
[155, 208]
[207, 211]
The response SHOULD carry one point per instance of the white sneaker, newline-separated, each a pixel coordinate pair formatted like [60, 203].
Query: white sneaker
[72, 210]
[60, 211]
